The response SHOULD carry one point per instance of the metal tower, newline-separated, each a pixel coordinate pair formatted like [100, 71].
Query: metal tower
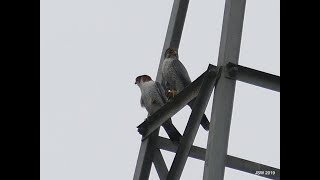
[223, 78]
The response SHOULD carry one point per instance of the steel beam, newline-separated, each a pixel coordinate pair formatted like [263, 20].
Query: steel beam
[173, 36]
[193, 124]
[145, 158]
[252, 167]
[231, 161]
[168, 145]
[252, 76]
[172, 107]
[174, 31]
[218, 137]
[160, 164]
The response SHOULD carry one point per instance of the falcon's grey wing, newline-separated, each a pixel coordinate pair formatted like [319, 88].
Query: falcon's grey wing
[181, 72]
[165, 85]
[161, 92]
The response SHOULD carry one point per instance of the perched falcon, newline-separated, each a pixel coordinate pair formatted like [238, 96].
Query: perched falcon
[175, 78]
[153, 98]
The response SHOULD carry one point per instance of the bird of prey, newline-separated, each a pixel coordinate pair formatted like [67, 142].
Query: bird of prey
[152, 98]
[175, 78]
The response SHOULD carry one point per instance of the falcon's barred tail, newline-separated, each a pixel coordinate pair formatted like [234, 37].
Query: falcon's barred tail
[172, 132]
[204, 121]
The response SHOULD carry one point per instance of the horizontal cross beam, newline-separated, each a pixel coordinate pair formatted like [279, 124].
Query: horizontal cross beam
[173, 106]
[231, 161]
[252, 167]
[168, 145]
[252, 76]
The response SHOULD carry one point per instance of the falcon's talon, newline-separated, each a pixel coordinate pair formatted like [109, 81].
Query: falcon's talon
[171, 94]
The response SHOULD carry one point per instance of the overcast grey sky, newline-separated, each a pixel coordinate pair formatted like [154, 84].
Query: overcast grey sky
[91, 52]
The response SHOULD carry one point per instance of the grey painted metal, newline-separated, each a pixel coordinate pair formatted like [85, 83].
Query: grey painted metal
[231, 161]
[166, 144]
[252, 76]
[218, 137]
[160, 164]
[193, 124]
[174, 31]
[252, 167]
[172, 107]
[145, 157]
[173, 37]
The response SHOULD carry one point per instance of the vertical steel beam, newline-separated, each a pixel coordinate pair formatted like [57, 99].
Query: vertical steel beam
[173, 36]
[145, 158]
[174, 31]
[192, 126]
[218, 138]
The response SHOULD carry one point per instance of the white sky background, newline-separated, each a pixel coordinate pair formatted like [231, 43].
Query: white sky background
[91, 52]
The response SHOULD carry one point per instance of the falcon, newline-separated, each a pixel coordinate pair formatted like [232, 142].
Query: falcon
[153, 97]
[175, 78]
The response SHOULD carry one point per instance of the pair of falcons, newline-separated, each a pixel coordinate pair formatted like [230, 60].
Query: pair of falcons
[154, 95]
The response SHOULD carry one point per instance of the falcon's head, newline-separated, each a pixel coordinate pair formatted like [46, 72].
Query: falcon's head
[141, 79]
[171, 52]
